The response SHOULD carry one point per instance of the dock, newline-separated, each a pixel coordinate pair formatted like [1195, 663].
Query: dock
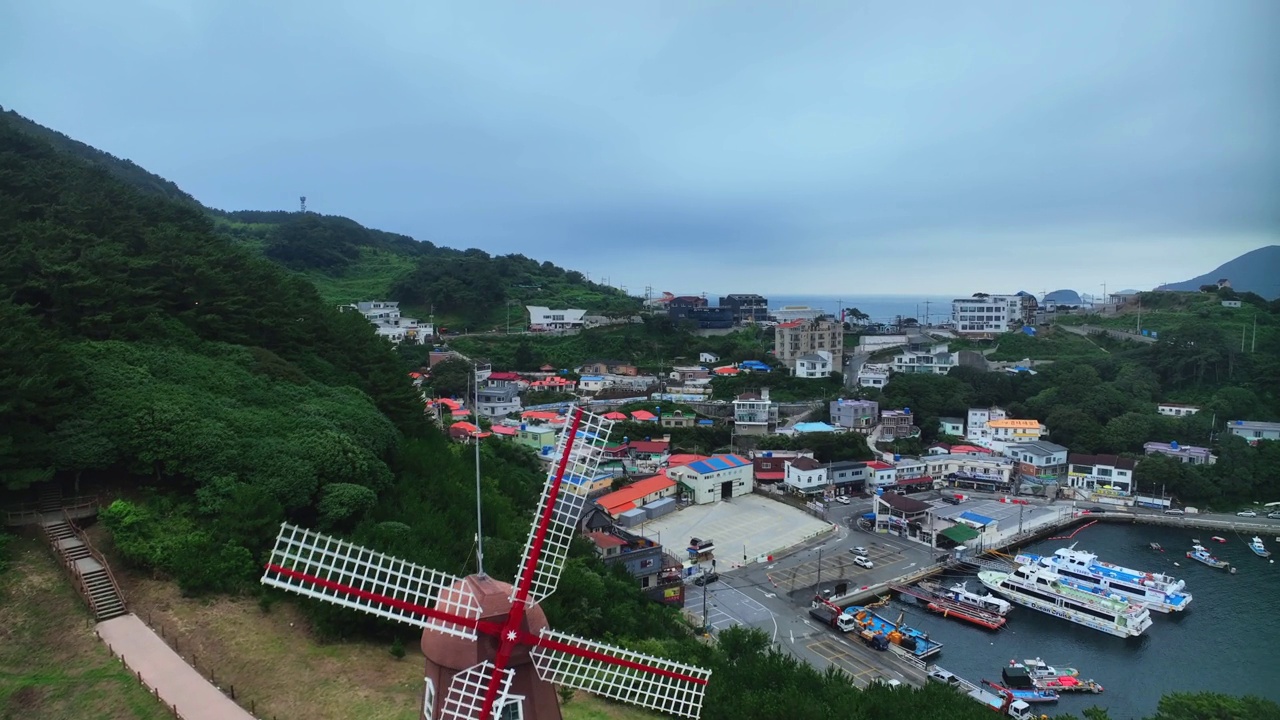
[951, 609]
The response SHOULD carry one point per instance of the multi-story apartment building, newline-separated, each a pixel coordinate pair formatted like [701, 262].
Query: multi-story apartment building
[976, 429]
[746, 307]
[1039, 460]
[796, 338]
[895, 424]
[855, 414]
[986, 315]
[754, 414]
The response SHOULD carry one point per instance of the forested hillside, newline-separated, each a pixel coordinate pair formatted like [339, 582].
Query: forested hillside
[348, 262]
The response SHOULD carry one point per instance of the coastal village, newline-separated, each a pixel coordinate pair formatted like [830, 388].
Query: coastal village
[645, 477]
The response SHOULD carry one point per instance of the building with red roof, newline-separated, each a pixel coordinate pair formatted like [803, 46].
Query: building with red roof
[638, 493]
[643, 416]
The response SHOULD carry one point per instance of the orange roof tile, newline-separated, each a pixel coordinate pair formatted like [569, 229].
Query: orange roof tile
[625, 499]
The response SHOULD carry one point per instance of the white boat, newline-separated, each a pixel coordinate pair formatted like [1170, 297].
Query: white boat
[960, 593]
[1039, 669]
[1258, 548]
[1041, 588]
[1157, 591]
[1200, 554]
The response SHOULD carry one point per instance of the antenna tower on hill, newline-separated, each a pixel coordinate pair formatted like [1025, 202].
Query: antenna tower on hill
[302, 201]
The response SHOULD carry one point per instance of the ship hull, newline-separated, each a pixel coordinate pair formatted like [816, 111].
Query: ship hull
[1059, 611]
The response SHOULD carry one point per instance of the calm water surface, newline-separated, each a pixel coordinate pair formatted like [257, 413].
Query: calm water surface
[1226, 641]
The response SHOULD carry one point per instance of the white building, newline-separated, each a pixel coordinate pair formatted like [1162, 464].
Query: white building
[498, 400]
[814, 365]
[936, 359]
[988, 316]
[754, 414]
[387, 321]
[1176, 409]
[592, 383]
[873, 376]
[806, 476]
[1101, 474]
[706, 357]
[995, 469]
[1012, 431]
[1254, 430]
[719, 477]
[881, 474]
[544, 318]
[976, 429]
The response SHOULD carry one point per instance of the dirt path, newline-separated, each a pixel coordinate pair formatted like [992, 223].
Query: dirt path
[177, 683]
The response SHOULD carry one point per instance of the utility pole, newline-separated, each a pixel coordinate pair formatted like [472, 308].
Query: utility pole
[1139, 313]
[1254, 347]
[704, 601]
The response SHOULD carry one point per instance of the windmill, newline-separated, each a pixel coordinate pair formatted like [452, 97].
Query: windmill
[490, 654]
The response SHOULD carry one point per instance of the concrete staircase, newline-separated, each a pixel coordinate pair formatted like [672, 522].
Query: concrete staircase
[50, 499]
[87, 567]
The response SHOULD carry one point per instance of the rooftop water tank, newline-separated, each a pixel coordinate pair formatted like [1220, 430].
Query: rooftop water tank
[1173, 445]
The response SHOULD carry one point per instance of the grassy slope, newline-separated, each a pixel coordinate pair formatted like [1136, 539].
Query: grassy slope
[273, 660]
[51, 664]
[1165, 311]
[1050, 343]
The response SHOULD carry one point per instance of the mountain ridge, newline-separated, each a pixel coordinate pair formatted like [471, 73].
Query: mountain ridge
[1257, 271]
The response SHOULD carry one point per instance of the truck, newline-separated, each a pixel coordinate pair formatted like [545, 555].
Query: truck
[833, 617]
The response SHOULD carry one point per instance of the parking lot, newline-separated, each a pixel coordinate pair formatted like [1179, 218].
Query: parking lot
[834, 566]
[743, 528]
[727, 607]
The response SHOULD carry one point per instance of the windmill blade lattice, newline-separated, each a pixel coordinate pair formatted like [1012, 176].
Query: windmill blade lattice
[564, 495]
[465, 697]
[336, 571]
[655, 683]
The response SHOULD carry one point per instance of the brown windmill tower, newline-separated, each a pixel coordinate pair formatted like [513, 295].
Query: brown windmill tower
[490, 654]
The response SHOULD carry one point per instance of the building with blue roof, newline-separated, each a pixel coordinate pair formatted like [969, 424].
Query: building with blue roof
[814, 427]
[716, 478]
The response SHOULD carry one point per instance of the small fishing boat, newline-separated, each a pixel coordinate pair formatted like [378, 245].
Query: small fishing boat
[1258, 548]
[1030, 695]
[1200, 554]
[1038, 669]
[1069, 684]
[1215, 538]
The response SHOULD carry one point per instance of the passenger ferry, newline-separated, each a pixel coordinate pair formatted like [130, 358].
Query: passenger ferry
[1157, 591]
[1040, 588]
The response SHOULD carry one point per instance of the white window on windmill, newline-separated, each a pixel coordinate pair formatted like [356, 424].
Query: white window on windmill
[513, 710]
[429, 700]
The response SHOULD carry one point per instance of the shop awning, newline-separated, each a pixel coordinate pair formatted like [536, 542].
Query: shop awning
[959, 533]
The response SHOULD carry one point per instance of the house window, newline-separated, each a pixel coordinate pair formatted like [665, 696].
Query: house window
[429, 700]
[513, 710]
[646, 563]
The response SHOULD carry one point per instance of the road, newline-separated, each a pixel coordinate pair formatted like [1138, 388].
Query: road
[852, 364]
[1118, 334]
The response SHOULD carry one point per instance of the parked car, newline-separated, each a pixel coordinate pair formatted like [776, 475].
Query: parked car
[950, 500]
[1173, 511]
[843, 500]
[1096, 508]
[863, 561]
[1274, 515]
[859, 550]
[1246, 513]
[706, 578]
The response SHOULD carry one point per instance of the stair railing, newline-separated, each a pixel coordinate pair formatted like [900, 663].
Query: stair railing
[93, 552]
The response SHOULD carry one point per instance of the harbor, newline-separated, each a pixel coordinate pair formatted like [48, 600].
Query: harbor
[911, 584]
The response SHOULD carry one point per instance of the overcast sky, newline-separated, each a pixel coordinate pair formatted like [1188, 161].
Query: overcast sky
[798, 148]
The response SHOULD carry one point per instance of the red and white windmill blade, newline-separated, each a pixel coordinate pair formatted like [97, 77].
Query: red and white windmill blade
[339, 572]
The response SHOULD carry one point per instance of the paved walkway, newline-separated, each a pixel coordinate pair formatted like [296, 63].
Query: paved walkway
[177, 683]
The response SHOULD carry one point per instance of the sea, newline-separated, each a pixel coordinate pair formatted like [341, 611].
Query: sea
[1225, 641]
[881, 308]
